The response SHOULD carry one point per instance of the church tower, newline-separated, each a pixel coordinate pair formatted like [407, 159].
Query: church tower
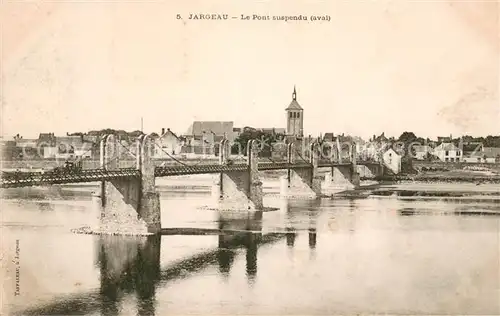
[295, 117]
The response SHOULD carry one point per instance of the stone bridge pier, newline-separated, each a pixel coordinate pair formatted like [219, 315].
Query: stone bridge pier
[304, 181]
[242, 189]
[130, 205]
[344, 175]
[370, 171]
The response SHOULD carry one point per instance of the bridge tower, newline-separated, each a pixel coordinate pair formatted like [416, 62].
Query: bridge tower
[129, 205]
[238, 189]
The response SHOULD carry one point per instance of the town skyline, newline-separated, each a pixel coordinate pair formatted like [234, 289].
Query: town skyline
[73, 69]
[179, 133]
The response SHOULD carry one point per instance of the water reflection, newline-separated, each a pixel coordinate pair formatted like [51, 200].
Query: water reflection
[244, 229]
[128, 265]
[407, 212]
[312, 238]
[131, 266]
[251, 256]
[363, 242]
[312, 234]
[291, 235]
[42, 206]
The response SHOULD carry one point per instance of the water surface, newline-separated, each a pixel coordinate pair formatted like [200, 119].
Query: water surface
[382, 254]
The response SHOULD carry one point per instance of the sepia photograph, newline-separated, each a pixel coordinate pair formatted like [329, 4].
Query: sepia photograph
[250, 157]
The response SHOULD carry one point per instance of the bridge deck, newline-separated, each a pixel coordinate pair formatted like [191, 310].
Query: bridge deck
[23, 179]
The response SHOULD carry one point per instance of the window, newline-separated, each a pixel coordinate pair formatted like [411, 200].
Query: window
[446, 159]
[298, 115]
[458, 153]
[291, 115]
[478, 159]
[446, 153]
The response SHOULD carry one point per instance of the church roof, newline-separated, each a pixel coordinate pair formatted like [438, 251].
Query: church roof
[294, 105]
[219, 128]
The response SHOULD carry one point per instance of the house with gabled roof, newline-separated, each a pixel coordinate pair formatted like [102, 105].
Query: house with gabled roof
[167, 144]
[448, 152]
[422, 152]
[392, 160]
[485, 155]
[217, 128]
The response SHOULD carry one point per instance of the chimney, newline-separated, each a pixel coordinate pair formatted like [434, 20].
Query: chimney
[163, 130]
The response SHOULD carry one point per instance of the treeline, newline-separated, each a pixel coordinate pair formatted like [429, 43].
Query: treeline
[488, 141]
[265, 140]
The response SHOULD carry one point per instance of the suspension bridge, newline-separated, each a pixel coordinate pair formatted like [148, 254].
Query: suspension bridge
[129, 195]
[18, 179]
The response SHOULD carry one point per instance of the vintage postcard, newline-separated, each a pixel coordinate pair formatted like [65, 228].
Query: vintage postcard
[250, 157]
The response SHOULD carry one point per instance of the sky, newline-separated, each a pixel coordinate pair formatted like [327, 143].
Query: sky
[430, 67]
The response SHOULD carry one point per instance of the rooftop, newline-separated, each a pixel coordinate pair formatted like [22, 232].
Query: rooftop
[488, 152]
[294, 105]
[446, 146]
[217, 127]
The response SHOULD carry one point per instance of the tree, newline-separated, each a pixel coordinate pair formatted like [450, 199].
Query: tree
[407, 137]
[264, 141]
[492, 141]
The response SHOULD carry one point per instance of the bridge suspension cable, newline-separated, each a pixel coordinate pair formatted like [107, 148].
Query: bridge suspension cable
[172, 157]
[300, 156]
[134, 155]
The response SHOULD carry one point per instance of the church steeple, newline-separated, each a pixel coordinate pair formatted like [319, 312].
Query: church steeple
[295, 116]
[294, 105]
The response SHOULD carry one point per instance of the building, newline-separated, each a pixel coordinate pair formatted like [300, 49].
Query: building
[491, 154]
[448, 152]
[237, 132]
[202, 137]
[392, 160]
[69, 147]
[486, 155]
[168, 143]
[329, 137]
[295, 118]
[273, 131]
[46, 139]
[204, 128]
[445, 139]
[422, 152]
[470, 149]
[25, 143]
[380, 139]
[8, 150]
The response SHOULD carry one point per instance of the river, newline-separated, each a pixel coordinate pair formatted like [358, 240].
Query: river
[341, 255]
